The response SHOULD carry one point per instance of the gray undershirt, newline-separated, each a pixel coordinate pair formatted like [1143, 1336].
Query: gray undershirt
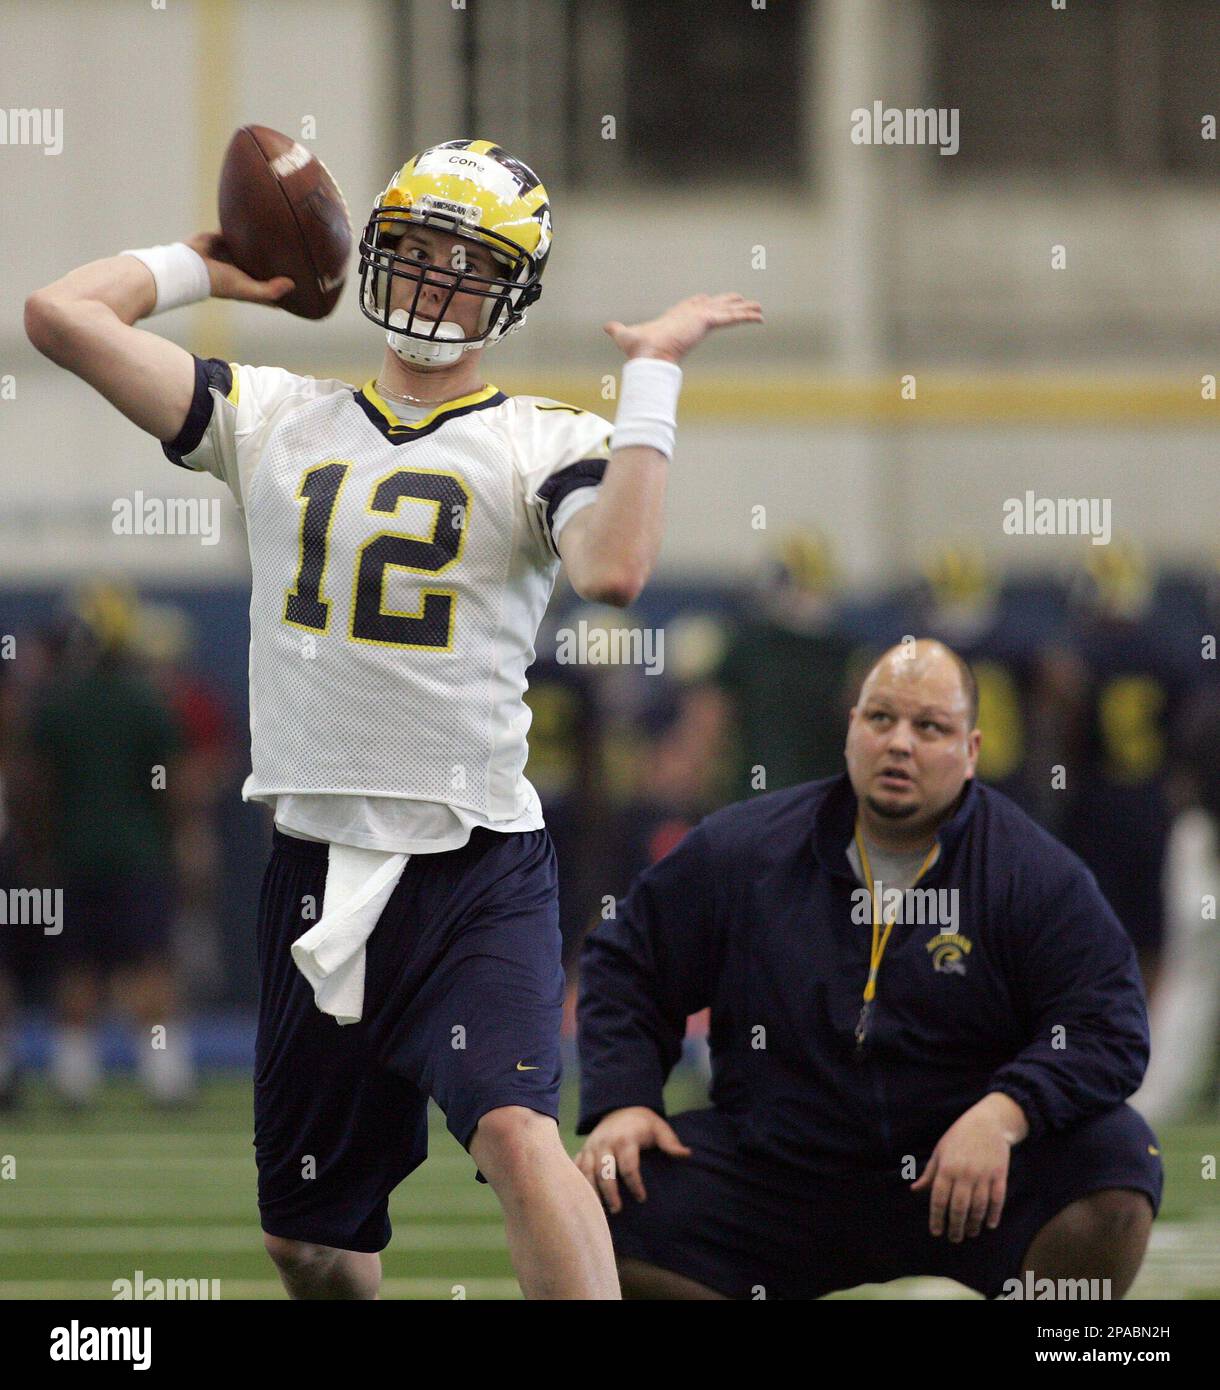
[890, 870]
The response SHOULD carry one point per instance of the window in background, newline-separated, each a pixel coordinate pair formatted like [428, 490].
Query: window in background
[1190, 85]
[700, 93]
[1105, 87]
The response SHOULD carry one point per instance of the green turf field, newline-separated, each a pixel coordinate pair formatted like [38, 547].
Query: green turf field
[95, 1197]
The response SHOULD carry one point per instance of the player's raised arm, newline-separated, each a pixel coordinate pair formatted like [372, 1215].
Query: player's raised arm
[609, 549]
[85, 322]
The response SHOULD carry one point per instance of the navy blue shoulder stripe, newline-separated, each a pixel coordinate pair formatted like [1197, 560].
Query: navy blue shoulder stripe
[210, 374]
[583, 473]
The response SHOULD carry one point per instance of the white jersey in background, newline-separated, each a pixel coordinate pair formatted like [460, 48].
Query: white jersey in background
[400, 570]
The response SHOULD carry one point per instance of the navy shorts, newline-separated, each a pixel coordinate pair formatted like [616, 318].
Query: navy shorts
[463, 1002]
[116, 921]
[715, 1218]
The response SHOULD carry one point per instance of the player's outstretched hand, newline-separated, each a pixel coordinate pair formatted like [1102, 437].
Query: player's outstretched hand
[683, 326]
[613, 1150]
[230, 283]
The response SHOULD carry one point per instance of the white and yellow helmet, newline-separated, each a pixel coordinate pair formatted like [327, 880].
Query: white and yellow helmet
[474, 189]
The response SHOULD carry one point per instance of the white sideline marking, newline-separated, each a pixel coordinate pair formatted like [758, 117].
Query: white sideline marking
[216, 1240]
[244, 1158]
[170, 1204]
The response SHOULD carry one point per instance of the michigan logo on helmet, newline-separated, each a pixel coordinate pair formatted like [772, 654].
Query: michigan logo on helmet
[473, 189]
[956, 576]
[1117, 581]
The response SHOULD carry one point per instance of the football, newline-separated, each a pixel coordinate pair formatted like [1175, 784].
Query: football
[281, 213]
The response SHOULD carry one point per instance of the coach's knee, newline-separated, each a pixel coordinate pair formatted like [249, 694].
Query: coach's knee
[1103, 1235]
[1112, 1219]
[507, 1143]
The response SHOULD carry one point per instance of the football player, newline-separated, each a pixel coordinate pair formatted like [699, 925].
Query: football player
[404, 540]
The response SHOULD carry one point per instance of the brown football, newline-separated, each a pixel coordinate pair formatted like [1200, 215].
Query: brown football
[281, 213]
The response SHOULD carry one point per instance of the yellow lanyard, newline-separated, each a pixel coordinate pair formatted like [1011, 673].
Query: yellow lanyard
[880, 937]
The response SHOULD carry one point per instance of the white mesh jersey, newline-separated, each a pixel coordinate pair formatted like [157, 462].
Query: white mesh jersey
[400, 573]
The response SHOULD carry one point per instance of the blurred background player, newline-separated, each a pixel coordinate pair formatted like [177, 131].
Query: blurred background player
[1184, 1073]
[166, 643]
[959, 600]
[1122, 718]
[16, 947]
[105, 752]
[27, 955]
[788, 656]
[681, 777]
[568, 769]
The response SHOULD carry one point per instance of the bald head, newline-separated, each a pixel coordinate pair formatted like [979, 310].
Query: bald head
[923, 659]
[912, 743]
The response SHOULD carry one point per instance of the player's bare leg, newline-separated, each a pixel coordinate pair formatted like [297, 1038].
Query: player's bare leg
[148, 992]
[321, 1271]
[557, 1233]
[1102, 1236]
[76, 1070]
[642, 1280]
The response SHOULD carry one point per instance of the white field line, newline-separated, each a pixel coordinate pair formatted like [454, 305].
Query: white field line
[72, 1136]
[216, 1240]
[1183, 1259]
[50, 1160]
[170, 1204]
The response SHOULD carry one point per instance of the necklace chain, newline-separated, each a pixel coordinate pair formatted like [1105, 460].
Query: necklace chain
[403, 396]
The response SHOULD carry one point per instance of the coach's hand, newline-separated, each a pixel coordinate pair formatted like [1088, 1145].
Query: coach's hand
[613, 1150]
[684, 326]
[230, 283]
[968, 1170]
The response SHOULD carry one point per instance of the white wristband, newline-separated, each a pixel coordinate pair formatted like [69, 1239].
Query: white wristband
[648, 405]
[180, 273]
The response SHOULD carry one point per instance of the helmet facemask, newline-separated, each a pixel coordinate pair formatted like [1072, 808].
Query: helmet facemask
[439, 342]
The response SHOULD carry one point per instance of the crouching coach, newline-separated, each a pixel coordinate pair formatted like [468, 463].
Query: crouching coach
[926, 1020]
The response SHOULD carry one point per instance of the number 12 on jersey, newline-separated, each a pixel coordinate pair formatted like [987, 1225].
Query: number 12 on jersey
[430, 627]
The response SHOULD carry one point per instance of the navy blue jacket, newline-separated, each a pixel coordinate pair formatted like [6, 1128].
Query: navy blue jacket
[752, 915]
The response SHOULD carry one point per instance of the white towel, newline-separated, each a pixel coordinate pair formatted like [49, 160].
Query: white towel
[331, 953]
